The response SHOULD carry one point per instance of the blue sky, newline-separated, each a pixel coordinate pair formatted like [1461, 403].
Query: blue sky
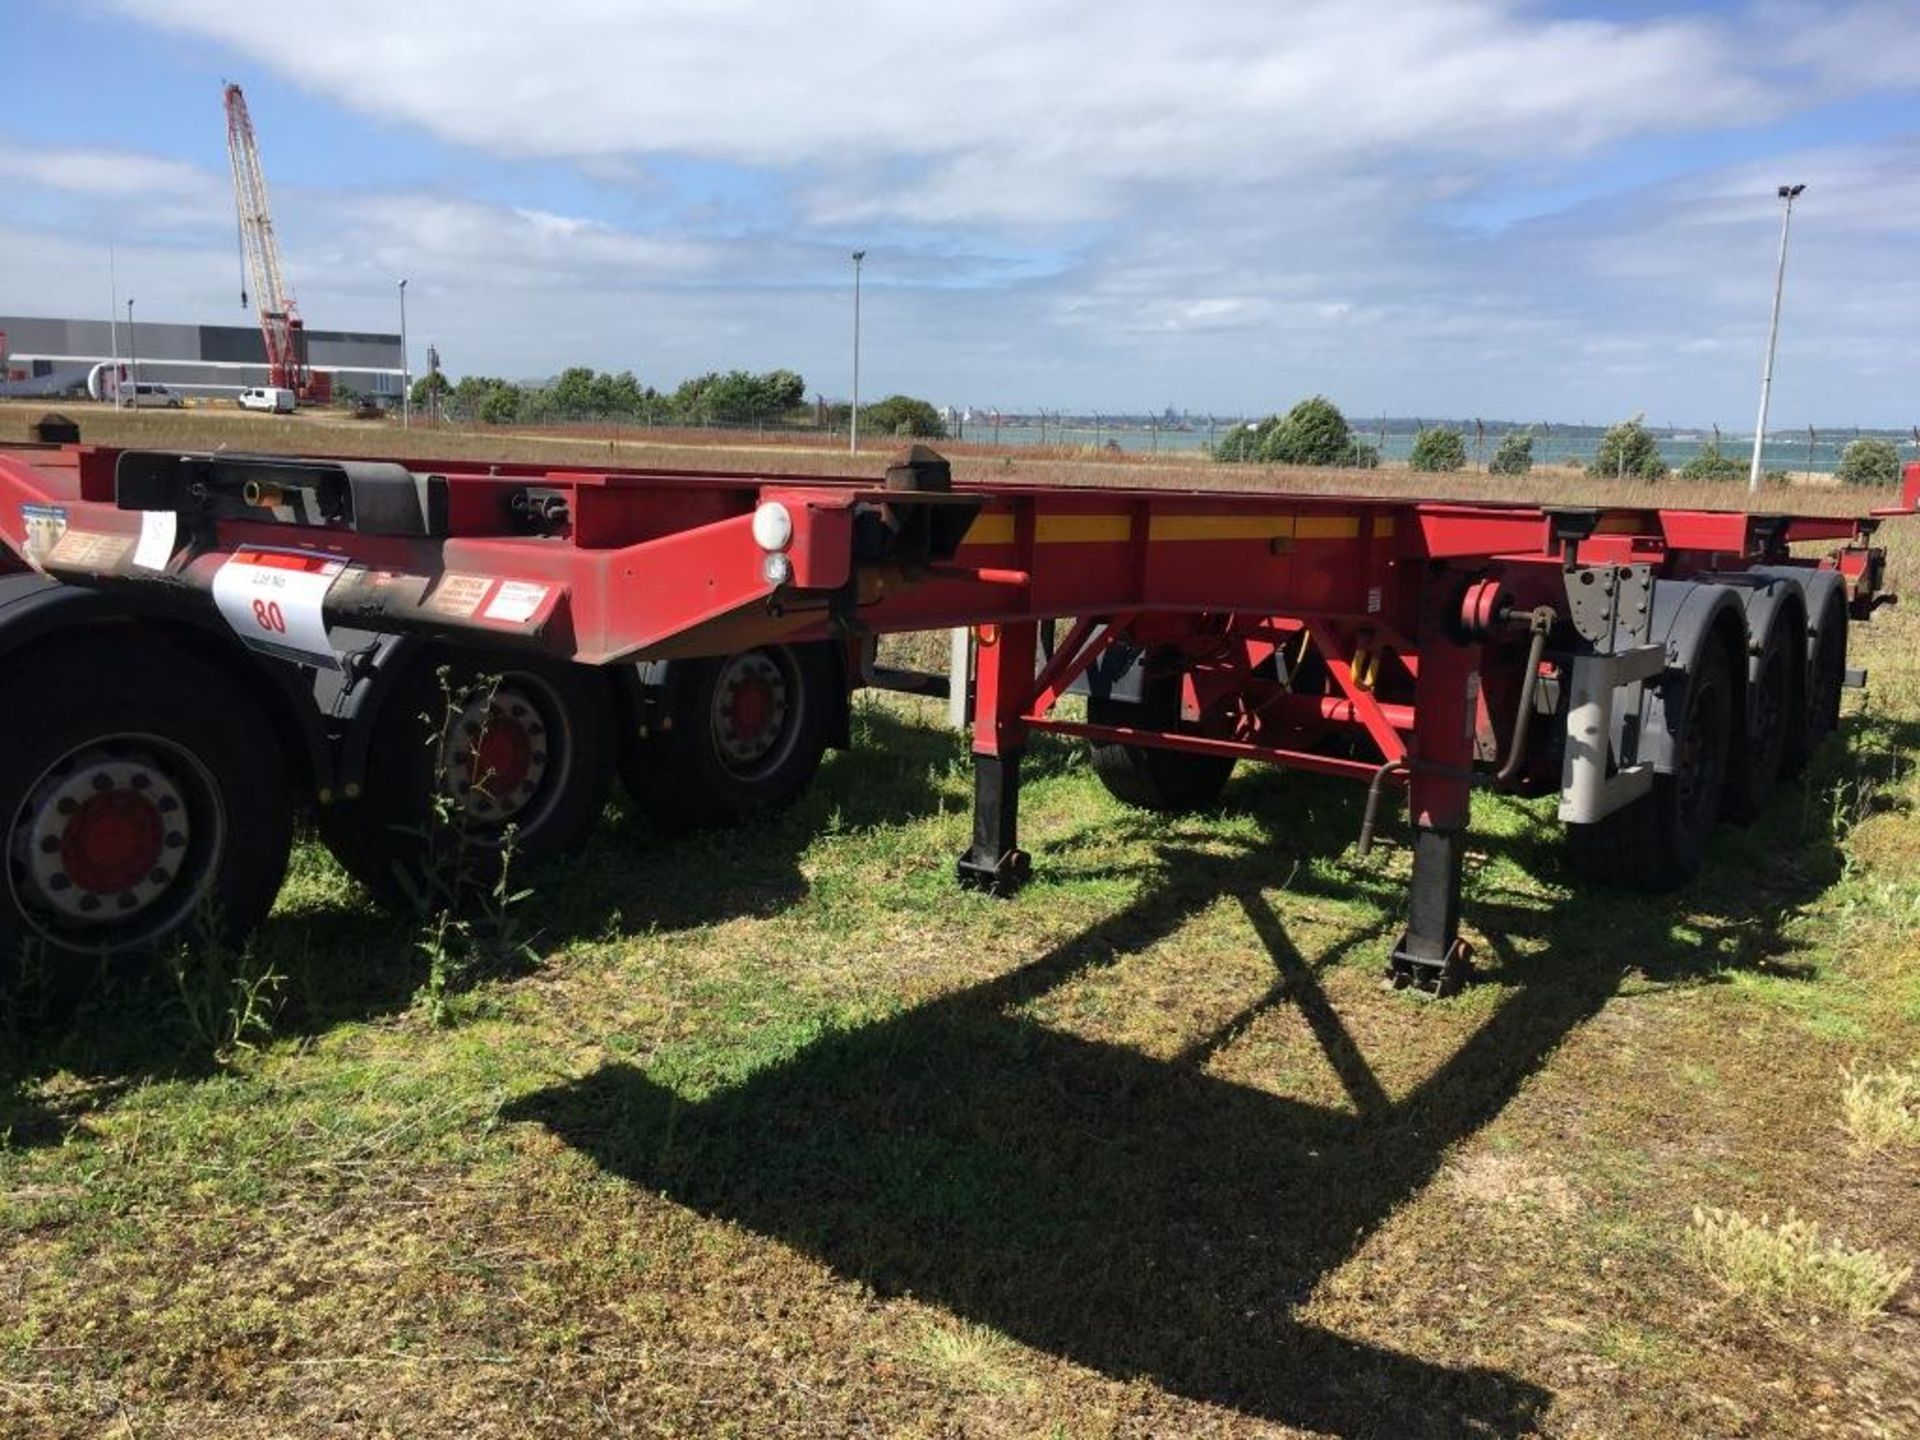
[1483, 207]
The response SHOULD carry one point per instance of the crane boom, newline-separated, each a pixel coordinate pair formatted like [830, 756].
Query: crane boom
[280, 324]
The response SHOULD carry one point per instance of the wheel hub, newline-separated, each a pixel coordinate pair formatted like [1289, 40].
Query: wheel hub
[101, 838]
[495, 754]
[750, 708]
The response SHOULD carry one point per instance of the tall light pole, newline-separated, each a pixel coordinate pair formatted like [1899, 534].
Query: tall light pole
[1788, 193]
[133, 355]
[113, 321]
[853, 432]
[406, 380]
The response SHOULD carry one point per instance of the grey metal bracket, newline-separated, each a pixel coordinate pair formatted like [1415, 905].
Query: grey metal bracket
[1611, 606]
[1591, 786]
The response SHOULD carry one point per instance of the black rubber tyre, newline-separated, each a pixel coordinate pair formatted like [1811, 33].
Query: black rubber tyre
[504, 742]
[1826, 677]
[1658, 842]
[1170, 781]
[144, 803]
[1775, 721]
[742, 735]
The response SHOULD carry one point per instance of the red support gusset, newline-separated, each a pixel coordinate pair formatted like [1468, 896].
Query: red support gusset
[1366, 708]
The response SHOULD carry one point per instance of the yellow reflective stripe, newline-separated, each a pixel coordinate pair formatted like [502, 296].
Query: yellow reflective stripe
[990, 530]
[1060, 529]
[1382, 527]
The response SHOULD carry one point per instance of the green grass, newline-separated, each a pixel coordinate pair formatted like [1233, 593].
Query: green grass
[782, 1134]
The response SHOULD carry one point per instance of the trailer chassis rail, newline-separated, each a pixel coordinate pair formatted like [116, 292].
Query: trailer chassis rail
[1405, 643]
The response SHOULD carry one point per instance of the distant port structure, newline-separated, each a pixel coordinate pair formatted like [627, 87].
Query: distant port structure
[51, 356]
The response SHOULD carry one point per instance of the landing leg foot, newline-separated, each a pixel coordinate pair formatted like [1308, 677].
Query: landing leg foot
[1437, 979]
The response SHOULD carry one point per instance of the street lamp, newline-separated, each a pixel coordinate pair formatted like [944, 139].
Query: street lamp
[853, 433]
[406, 380]
[133, 357]
[1787, 193]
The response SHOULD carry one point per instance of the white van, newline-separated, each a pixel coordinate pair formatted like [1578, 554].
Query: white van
[276, 399]
[145, 396]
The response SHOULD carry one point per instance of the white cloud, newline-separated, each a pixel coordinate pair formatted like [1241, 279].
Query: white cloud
[1016, 111]
[96, 171]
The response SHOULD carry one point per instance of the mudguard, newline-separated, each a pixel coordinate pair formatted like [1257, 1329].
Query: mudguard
[1687, 615]
[1773, 596]
[1819, 590]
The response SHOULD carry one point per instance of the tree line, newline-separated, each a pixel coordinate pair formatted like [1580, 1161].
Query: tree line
[1315, 433]
[732, 397]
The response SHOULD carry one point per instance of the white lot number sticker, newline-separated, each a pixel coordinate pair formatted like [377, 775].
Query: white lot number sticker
[271, 599]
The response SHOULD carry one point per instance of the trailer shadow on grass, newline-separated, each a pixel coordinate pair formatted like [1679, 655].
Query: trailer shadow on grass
[1141, 1216]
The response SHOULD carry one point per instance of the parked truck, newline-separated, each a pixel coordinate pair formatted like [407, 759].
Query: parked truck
[194, 647]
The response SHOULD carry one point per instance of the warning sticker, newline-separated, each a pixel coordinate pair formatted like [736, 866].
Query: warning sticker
[93, 550]
[457, 596]
[272, 599]
[515, 601]
[44, 525]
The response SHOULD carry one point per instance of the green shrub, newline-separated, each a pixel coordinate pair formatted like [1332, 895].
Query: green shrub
[1314, 433]
[902, 415]
[1713, 463]
[1628, 449]
[1438, 449]
[1514, 455]
[500, 405]
[1870, 462]
[1245, 441]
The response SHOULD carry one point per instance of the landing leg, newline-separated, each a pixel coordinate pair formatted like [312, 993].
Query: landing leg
[995, 862]
[1431, 956]
[1003, 688]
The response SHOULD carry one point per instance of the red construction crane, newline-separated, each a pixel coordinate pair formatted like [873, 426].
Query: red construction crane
[280, 323]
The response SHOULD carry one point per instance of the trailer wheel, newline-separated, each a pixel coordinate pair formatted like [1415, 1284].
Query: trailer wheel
[524, 746]
[1170, 781]
[1658, 842]
[145, 812]
[1826, 676]
[741, 735]
[1775, 720]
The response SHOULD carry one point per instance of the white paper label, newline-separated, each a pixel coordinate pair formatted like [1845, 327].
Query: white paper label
[157, 529]
[515, 601]
[272, 600]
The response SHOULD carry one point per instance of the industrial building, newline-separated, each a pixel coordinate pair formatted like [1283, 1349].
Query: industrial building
[54, 357]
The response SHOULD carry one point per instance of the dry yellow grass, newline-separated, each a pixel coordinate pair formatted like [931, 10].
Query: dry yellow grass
[1882, 1107]
[1788, 1264]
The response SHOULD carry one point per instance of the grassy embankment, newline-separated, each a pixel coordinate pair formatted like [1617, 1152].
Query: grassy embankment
[782, 1134]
